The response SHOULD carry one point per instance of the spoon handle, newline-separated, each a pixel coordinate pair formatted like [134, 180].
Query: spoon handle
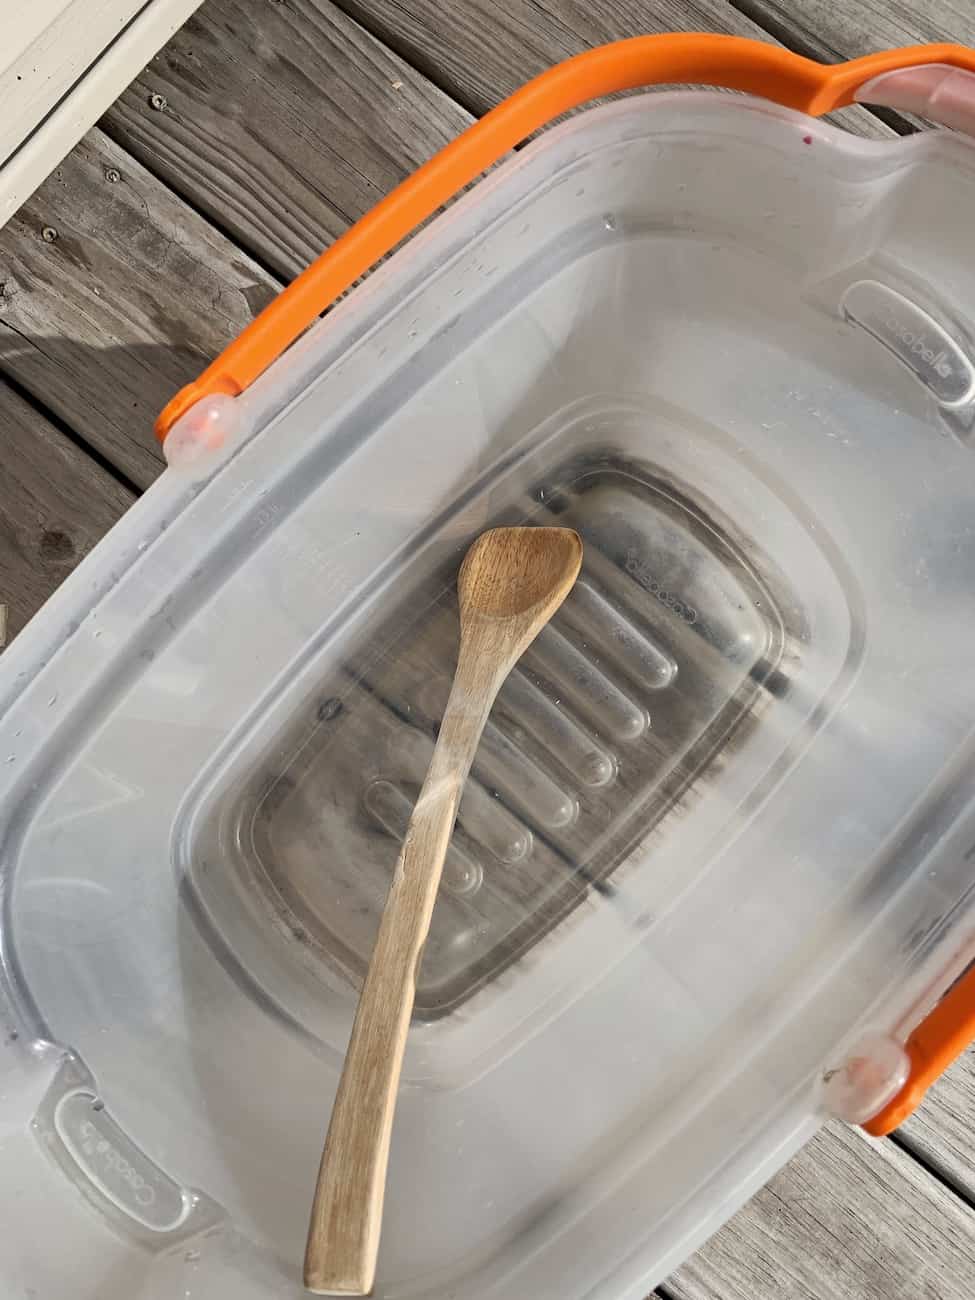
[343, 1237]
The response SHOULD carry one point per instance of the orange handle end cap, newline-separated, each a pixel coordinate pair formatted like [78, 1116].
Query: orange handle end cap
[941, 1037]
[187, 398]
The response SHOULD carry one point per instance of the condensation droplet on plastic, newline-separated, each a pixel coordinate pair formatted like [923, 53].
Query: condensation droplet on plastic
[11, 758]
[609, 221]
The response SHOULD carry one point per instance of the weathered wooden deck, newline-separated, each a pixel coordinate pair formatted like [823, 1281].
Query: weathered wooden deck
[256, 137]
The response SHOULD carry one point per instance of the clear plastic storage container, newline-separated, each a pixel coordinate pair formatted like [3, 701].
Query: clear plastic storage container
[714, 864]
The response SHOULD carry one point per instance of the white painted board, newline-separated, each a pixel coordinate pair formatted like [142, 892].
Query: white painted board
[62, 62]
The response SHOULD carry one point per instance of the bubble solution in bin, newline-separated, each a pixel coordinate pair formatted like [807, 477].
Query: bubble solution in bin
[718, 835]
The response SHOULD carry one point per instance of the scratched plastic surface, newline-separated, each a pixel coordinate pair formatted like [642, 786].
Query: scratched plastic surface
[721, 824]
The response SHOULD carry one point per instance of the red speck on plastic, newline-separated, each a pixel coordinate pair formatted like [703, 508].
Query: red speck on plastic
[807, 139]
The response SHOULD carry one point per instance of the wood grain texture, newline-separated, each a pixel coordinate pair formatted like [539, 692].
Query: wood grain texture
[511, 583]
[849, 1218]
[283, 131]
[941, 1132]
[479, 51]
[844, 31]
[55, 505]
[130, 299]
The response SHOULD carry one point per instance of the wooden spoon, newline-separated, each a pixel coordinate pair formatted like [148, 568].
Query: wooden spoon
[511, 583]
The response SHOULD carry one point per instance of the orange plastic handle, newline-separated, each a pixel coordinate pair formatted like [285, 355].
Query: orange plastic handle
[704, 59]
[939, 1039]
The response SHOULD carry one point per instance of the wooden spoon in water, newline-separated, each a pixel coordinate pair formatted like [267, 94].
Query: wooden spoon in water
[511, 583]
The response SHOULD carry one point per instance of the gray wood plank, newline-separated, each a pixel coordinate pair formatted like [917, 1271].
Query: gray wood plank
[844, 31]
[482, 50]
[129, 300]
[55, 505]
[286, 139]
[287, 135]
[848, 1219]
[941, 1132]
